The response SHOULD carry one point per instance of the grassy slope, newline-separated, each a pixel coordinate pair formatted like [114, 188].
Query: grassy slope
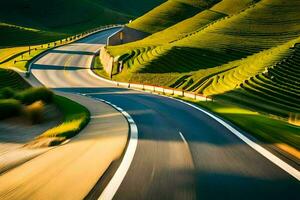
[168, 14]
[185, 27]
[226, 40]
[165, 57]
[270, 84]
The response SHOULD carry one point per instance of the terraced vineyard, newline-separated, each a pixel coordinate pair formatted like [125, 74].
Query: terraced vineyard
[276, 90]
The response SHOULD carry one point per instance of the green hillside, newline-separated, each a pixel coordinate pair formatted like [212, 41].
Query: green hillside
[169, 13]
[38, 21]
[233, 50]
[12, 79]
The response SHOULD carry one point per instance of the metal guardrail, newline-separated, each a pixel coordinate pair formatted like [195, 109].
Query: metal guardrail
[155, 89]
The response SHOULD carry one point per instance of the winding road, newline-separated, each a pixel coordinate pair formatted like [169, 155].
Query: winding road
[181, 153]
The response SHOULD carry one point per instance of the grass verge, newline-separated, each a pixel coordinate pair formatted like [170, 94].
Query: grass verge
[271, 131]
[75, 119]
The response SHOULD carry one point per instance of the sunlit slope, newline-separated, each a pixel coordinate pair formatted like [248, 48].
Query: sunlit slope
[231, 7]
[48, 20]
[274, 89]
[173, 33]
[189, 26]
[249, 56]
[168, 14]
[229, 39]
[165, 56]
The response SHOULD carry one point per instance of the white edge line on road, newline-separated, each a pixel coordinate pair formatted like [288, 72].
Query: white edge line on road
[182, 137]
[115, 182]
[264, 152]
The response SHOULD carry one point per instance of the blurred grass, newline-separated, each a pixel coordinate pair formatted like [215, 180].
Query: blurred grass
[9, 108]
[76, 117]
[34, 94]
[34, 112]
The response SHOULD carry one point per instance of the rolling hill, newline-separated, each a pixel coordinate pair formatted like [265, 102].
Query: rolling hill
[239, 51]
[168, 14]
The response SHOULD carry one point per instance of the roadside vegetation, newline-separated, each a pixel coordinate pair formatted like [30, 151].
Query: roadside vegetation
[75, 119]
[18, 99]
[28, 102]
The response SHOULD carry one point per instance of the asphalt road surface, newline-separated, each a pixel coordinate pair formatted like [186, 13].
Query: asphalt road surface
[182, 153]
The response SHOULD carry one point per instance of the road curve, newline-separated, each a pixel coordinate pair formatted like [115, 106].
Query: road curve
[181, 153]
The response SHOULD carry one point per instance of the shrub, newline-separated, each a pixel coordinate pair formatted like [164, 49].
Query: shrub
[7, 93]
[9, 108]
[34, 112]
[32, 95]
[76, 117]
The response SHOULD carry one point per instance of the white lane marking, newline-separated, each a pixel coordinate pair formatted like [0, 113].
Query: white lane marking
[264, 152]
[182, 137]
[115, 182]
